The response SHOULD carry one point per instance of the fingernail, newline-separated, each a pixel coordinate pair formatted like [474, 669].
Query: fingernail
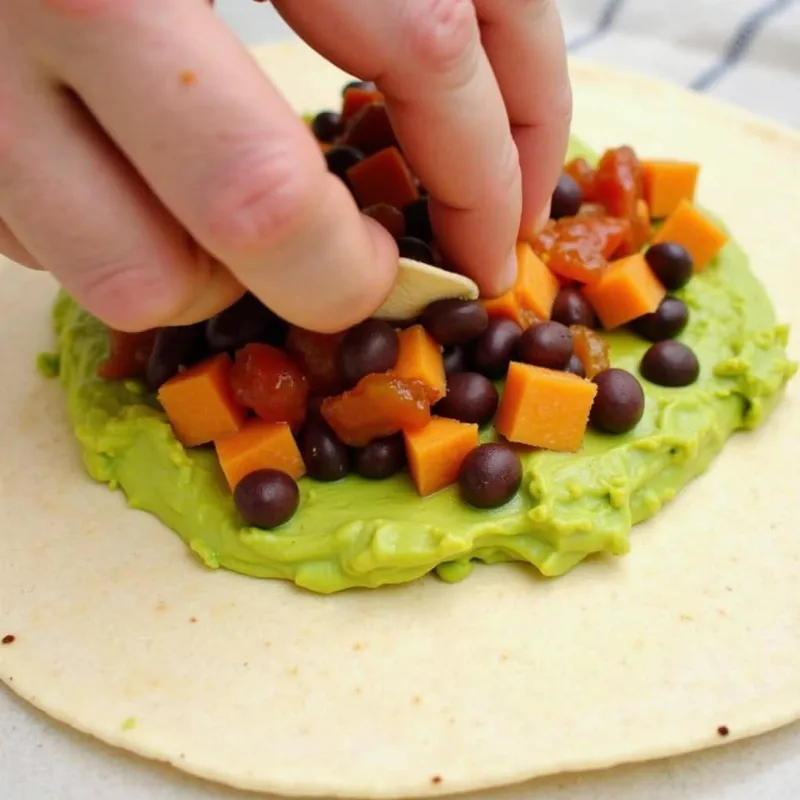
[508, 276]
[543, 218]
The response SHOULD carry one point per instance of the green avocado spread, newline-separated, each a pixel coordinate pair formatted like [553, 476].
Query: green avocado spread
[360, 533]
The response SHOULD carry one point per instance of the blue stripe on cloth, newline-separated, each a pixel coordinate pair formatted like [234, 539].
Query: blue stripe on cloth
[607, 17]
[742, 39]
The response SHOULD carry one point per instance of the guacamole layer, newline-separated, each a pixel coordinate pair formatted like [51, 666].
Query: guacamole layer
[360, 533]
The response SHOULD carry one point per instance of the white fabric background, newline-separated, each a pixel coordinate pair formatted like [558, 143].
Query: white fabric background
[684, 41]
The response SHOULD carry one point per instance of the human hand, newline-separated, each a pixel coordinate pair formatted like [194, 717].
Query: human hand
[141, 149]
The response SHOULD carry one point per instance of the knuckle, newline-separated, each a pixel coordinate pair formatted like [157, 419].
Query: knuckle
[128, 293]
[441, 33]
[507, 176]
[259, 200]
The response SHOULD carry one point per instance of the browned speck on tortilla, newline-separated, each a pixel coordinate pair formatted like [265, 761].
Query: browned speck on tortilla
[9, 639]
[723, 730]
[436, 779]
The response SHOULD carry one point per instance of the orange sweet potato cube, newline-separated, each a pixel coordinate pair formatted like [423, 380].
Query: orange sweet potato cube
[536, 287]
[199, 402]
[436, 452]
[666, 183]
[420, 359]
[506, 306]
[259, 445]
[688, 226]
[545, 408]
[627, 290]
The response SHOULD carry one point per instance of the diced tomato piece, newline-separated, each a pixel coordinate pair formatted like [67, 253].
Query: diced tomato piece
[355, 98]
[543, 243]
[370, 130]
[641, 232]
[583, 173]
[317, 355]
[383, 178]
[380, 405]
[128, 355]
[266, 380]
[592, 210]
[577, 259]
[618, 182]
[578, 248]
[612, 232]
[591, 348]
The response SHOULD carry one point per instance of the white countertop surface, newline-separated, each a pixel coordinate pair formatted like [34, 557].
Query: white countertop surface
[43, 759]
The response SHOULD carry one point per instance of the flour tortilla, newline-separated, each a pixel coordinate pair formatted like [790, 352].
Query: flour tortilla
[428, 688]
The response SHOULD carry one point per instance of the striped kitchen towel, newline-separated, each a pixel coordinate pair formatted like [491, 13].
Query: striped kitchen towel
[743, 51]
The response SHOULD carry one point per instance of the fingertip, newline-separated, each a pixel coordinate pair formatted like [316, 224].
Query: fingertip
[386, 253]
[216, 290]
[506, 277]
[150, 295]
[129, 298]
[544, 217]
[534, 228]
[376, 279]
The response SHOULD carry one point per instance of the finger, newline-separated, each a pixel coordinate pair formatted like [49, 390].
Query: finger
[85, 216]
[526, 39]
[226, 154]
[12, 248]
[446, 108]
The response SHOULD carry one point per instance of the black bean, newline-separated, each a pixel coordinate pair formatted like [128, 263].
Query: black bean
[490, 476]
[470, 398]
[327, 125]
[371, 346]
[267, 498]
[619, 402]
[491, 354]
[325, 456]
[666, 322]
[572, 308]
[575, 366]
[548, 344]
[341, 158]
[455, 360]
[567, 198]
[415, 249]
[418, 220]
[670, 363]
[368, 86]
[455, 321]
[174, 348]
[381, 458]
[245, 322]
[671, 263]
